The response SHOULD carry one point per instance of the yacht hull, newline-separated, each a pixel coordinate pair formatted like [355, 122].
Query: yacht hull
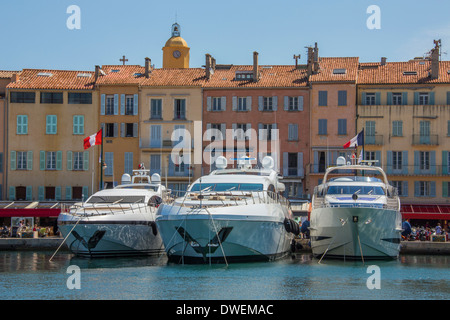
[355, 233]
[105, 236]
[215, 235]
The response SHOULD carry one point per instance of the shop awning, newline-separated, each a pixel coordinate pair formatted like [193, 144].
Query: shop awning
[29, 209]
[426, 211]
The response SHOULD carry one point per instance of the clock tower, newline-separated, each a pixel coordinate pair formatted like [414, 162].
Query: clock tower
[176, 50]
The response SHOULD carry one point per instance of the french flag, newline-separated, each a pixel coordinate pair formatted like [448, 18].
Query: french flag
[93, 140]
[357, 140]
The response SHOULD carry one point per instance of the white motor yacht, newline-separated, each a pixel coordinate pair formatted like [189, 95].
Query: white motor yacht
[118, 221]
[230, 215]
[355, 216]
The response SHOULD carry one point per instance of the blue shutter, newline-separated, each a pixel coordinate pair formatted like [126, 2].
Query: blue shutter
[285, 164]
[42, 160]
[260, 103]
[377, 98]
[58, 160]
[69, 160]
[405, 162]
[12, 164]
[300, 170]
[433, 189]
[171, 166]
[404, 98]
[444, 162]
[316, 162]
[416, 189]
[69, 193]
[122, 104]
[416, 98]
[286, 103]
[378, 157]
[405, 188]
[30, 160]
[116, 104]
[389, 162]
[444, 189]
[58, 193]
[389, 98]
[12, 193]
[86, 160]
[433, 162]
[29, 193]
[431, 102]
[363, 98]
[41, 193]
[136, 104]
[102, 108]
[416, 162]
[275, 103]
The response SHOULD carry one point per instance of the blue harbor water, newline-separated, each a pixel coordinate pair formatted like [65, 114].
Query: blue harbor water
[30, 275]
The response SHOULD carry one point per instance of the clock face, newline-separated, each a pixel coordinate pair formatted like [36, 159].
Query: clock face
[176, 54]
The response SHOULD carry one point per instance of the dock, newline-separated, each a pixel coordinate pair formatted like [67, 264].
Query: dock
[52, 243]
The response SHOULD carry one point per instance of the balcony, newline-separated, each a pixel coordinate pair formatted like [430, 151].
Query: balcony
[376, 140]
[431, 140]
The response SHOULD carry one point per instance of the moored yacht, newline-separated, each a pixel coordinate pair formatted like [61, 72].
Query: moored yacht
[355, 216]
[230, 215]
[118, 221]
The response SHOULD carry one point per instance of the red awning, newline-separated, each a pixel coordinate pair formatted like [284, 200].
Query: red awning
[426, 211]
[37, 212]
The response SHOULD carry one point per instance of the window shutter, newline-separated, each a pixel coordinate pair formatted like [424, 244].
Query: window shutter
[30, 160]
[208, 103]
[41, 193]
[13, 160]
[260, 131]
[389, 99]
[363, 98]
[136, 105]
[416, 98]
[275, 103]
[433, 162]
[285, 164]
[260, 103]
[116, 130]
[445, 189]
[286, 103]
[234, 102]
[208, 132]
[223, 104]
[433, 189]
[29, 193]
[116, 104]
[377, 98]
[19, 125]
[416, 189]
[42, 160]
[248, 133]
[274, 131]
[75, 125]
[300, 170]
[445, 162]
[68, 193]
[135, 130]
[249, 103]
[122, 129]
[416, 162]
[405, 162]
[300, 103]
[58, 193]
[102, 107]
[431, 102]
[86, 160]
[69, 160]
[58, 160]
[404, 98]
[12, 193]
[85, 192]
[389, 162]
[80, 124]
[122, 104]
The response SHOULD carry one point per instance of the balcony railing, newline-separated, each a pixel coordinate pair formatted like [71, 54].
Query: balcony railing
[432, 140]
[431, 170]
[373, 140]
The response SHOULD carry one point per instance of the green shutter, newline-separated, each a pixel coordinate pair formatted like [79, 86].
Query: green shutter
[80, 124]
[42, 160]
[58, 193]
[86, 160]
[68, 193]
[12, 193]
[29, 193]
[444, 162]
[30, 160]
[19, 125]
[85, 193]
[13, 160]
[75, 125]
[58, 160]
[69, 160]
[41, 193]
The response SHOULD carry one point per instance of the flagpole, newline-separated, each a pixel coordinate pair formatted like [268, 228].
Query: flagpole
[101, 163]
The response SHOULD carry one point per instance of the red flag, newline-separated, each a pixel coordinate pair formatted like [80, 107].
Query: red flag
[93, 140]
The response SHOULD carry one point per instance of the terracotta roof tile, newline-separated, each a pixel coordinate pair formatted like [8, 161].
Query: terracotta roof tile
[7, 74]
[53, 79]
[270, 76]
[414, 71]
[121, 74]
[193, 77]
[336, 69]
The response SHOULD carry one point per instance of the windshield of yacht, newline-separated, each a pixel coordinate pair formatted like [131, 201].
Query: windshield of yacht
[136, 186]
[220, 187]
[367, 190]
[116, 199]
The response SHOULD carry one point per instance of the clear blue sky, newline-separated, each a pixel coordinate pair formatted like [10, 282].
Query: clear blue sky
[35, 35]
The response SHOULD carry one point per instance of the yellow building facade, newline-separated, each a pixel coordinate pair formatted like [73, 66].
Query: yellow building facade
[49, 114]
[404, 109]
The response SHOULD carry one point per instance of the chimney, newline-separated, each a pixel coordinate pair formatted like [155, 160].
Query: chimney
[435, 60]
[147, 67]
[310, 60]
[316, 59]
[208, 65]
[383, 61]
[97, 72]
[15, 77]
[255, 67]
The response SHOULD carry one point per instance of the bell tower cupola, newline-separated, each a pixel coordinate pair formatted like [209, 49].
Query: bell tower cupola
[176, 50]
